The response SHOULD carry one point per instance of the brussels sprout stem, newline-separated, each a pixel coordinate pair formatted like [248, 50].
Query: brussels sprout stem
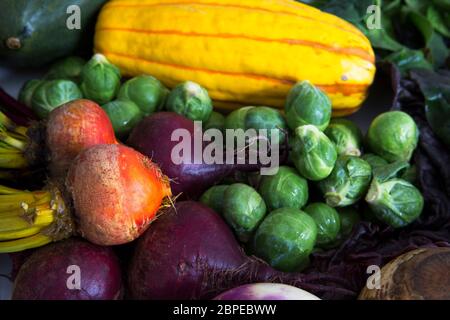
[333, 199]
[32, 219]
[374, 193]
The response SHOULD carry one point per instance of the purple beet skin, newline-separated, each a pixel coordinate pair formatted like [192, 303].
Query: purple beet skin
[189, 252]
[152, 137]
[49, 273]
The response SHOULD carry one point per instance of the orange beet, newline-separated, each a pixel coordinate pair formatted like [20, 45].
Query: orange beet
[73, 127]
[116, 192]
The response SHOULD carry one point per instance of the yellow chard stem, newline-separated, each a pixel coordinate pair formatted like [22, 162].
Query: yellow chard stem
[13, 142]
[6, 122]
[8, 190]
[13, 160]
[8, 224]
[35, 241]
[32, 219]
[16, 201]
[13, 235]
[22, 131]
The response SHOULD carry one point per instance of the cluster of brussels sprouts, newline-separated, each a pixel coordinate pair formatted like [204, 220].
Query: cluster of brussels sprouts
[334, 172]
[314, 202]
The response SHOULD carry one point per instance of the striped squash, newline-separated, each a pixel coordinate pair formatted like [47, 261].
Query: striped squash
[245, 52]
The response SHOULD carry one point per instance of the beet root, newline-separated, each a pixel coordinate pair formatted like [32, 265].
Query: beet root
[190, 253]
[116, 192]
[73, 127]
[51, 273]
[152, 137]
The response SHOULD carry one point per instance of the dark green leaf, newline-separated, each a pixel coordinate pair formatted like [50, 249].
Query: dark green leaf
[407, 59]
[437, 21]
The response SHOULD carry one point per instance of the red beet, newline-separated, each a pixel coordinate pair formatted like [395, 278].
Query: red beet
[190, 253]
[152, 137]
[46, 274]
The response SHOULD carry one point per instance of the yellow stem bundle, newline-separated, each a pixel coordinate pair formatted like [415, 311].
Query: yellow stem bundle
[24, 218]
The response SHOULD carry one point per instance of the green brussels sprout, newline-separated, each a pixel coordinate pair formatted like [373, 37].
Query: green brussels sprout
[374, 160]
[243, 209]
[349, 218]
[100, 80]
[313, 154]
[346, 136]
[214, 198]
[392, 200]
[27, 90]
[67, 69]
[307, 104]
[51, 94]
[285, 189]
[146, 92]
[393, 135]
[266, 118]
[215, 121]
[347, 183]
[395, 202]
[190, 100]
[327, 220]
[236, 119]
[124, 116]
[285, 239]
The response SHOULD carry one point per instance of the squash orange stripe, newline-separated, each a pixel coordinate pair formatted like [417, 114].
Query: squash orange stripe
[116, 5]
[344, 51]
[345, 89]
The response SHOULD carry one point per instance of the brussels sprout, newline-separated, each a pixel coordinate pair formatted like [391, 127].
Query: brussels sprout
[327, 221]
[346, 136]
[284, 189]
[307, 104]
[124, 116]
[190, 100]
[243, 209]
[393, 135]
[313, 154]
[146, 92]
[215, 121]
[349, 218]
[285, 239]
[347, 183]
[214, 198]
[66, 69]
[392, 200]
[27, 90]
[53, 93]
[374, 160]
[266, 118]
[396, 202]
[236, 119]
[100, 80]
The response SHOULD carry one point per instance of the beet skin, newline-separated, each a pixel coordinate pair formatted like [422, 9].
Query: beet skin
[47, 273]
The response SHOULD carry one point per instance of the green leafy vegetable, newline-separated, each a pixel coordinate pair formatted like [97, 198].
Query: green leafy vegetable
[285, 239]
[284, 189]
[313, 154]
[327, 220]
[243, 209]
[347, 183]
